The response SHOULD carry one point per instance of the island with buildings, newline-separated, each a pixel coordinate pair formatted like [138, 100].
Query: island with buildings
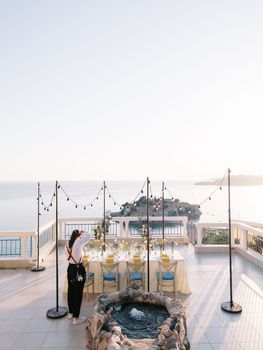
[172, 207]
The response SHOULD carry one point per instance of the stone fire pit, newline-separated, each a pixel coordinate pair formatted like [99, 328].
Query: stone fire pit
[136, 320]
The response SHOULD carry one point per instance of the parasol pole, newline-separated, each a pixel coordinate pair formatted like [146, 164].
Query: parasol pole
[38, 268]
[58, 311]
[104, 216]
[230, 306]
[148, 237]
[163, 211]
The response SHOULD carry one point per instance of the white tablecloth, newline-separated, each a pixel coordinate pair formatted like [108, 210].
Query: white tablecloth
[182, 284]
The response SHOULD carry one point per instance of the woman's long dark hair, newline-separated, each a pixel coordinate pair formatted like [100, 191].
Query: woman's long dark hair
[75, 234]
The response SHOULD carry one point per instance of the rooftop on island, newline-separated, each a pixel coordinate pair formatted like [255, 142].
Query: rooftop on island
[26, 296]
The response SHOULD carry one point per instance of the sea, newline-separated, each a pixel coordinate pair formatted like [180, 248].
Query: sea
[19, 210]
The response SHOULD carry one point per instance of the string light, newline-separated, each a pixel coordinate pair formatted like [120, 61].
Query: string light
[80, 205]
[46, 206]
[131, 203]
[212, 193]
[156, 206]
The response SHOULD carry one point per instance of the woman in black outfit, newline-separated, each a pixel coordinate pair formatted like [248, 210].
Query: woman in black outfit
[76, 274]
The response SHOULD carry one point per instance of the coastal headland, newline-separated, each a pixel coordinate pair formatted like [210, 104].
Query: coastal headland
[236, 180]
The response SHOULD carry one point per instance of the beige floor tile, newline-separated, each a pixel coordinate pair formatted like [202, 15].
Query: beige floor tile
[29, 340]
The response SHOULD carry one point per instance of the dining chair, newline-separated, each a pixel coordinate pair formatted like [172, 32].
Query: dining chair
[89, 278]
[166, 276]
[136, 273]
[110, 275]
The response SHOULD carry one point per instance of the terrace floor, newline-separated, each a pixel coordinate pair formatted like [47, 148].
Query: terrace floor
[25, 297]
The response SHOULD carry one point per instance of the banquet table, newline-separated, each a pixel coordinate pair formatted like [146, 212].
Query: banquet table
[182, 284]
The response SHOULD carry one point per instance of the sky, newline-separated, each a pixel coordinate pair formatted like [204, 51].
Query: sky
[124, 89]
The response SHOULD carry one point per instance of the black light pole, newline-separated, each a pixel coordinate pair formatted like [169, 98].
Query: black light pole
[37, 267]
[58, 311]
[148, 237]
[230, 306]
[163, 211]
[104, 216]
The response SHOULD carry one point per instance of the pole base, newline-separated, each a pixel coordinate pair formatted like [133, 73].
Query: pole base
[57, 312]
[38, 268]
[232, 308]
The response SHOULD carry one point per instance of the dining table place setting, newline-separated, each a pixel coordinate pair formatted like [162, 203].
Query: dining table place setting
[95, 258]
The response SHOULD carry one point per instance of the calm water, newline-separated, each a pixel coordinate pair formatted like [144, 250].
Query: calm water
[18, 200]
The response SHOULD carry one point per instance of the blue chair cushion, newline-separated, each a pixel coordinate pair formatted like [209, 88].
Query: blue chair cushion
[90, 275]
[136, 276]
[168, 276]
[109, 276]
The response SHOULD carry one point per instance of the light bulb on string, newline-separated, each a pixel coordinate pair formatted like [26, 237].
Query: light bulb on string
[84, 208]
[58, 186]
[220, 188]
[54, 194]
[91, 205]
[209, 198]
[114, 203]
[76, 206]
[97, 197]
[141, 191]
[47, 209]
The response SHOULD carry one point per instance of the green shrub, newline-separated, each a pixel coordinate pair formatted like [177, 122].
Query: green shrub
[217, 238]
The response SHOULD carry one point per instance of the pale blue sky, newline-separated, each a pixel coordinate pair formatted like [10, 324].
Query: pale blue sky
[112, 90]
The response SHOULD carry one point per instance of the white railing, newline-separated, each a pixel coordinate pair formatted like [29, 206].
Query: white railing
[18, 243]
[123, 230]
[23, 244]
[246, 239]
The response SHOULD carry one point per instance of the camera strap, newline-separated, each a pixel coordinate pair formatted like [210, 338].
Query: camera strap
[71, 256]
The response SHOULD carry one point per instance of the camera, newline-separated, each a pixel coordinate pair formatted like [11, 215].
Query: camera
[80, 278]
[77, 279]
